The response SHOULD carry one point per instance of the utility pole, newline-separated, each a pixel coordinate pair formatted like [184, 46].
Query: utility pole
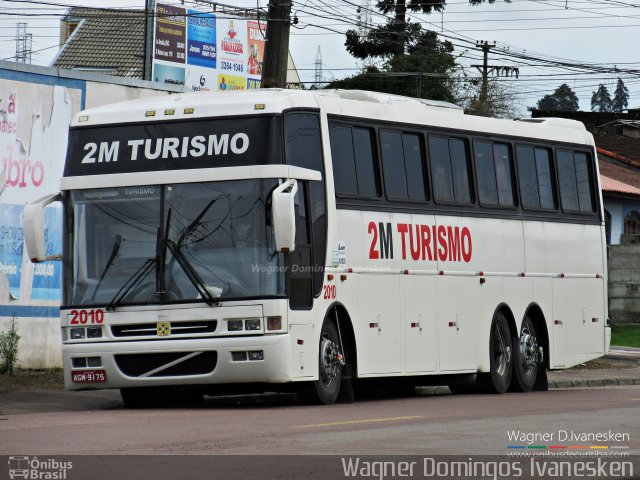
[276, 55]
[485, 46]
[486, 69]
[150, 12]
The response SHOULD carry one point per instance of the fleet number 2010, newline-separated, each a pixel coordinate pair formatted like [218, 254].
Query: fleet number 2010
[82, 317]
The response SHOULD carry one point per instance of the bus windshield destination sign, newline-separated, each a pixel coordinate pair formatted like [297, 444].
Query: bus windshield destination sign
[172, 146]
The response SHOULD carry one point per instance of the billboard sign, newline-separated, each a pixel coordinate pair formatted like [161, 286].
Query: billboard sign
[206, 51]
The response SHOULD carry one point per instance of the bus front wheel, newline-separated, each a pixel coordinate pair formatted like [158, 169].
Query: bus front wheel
[330, 361]
[500, 356]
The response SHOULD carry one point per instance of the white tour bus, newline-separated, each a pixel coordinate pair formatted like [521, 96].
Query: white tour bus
[276, 239]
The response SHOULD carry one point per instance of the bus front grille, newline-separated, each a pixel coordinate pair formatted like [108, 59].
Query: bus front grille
[174, 364]
[151, 329]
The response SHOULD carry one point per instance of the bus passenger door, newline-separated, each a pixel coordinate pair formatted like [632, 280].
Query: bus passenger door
[300, 271]
[421, 336]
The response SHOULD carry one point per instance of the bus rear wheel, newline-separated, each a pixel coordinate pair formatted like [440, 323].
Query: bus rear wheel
[500, 357]
[330, 360]
[526, 358]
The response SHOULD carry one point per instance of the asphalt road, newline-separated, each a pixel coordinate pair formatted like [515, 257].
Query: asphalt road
[72, 423]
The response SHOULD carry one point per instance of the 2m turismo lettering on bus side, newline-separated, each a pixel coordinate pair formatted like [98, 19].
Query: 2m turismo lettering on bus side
[421, 242]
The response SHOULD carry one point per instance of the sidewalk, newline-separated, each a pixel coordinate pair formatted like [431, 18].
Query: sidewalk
[620, 367]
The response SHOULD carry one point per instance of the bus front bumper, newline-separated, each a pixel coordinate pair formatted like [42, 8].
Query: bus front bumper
[193, 361]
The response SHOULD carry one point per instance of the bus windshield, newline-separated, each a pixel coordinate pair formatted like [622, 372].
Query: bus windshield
[173, 243]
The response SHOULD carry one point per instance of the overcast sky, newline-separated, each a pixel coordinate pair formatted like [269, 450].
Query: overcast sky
[564, 41]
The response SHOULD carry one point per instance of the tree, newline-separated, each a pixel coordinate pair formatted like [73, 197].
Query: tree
[405, 74]
[563, 99]
[397, 36]
[620, 97]
[601, 100]
[500, 102]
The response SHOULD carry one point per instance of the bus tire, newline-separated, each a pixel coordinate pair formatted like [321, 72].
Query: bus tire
[500, 357]
[526, 358]
[327, 387]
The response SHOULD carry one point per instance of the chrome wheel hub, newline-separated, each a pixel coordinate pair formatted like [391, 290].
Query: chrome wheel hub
[331, 361]
[528, 350]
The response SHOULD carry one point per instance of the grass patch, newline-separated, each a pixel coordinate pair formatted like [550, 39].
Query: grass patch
[31, 378]
[625, 335]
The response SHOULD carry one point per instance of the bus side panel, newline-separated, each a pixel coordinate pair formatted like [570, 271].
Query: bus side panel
[464, 318]
[374, 302]
[420, 326]
[570, 249]
[497, 246]
[379, 324]
[585, 322]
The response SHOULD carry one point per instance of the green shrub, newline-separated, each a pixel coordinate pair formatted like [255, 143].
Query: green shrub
[9, 348]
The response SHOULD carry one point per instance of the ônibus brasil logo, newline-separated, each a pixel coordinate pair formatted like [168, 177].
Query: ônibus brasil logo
[40, 469]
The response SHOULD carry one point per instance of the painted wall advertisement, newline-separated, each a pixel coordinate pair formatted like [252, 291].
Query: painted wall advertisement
[207, 51]
[33, 140]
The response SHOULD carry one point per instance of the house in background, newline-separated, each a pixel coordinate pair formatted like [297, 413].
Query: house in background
[102, 41]
[619, 161]
[112, 42]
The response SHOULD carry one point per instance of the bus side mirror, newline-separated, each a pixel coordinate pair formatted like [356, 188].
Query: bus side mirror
[33, 227]
[283, 215]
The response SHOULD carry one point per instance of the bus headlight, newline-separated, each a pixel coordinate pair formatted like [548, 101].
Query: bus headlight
[77, 333]
[234, 325]
[94, 332]
[252, 324]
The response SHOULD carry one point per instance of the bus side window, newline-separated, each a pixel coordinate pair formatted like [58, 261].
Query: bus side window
[353, 161]
[494, 171]
[576, 185]
[450, 169]
[344, 162]
[534, 177]
[403, 165]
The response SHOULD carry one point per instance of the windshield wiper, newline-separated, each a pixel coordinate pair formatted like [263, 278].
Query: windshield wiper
[192, 275]
[116, 248]
[133, 281]
[176, 251]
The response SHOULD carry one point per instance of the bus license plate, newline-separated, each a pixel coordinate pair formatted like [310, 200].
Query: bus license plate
[89, 376]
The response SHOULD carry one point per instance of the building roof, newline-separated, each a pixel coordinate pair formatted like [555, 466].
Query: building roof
[104, 40]
[623, 149]
[615, 186]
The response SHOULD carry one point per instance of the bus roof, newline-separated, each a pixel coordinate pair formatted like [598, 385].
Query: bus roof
[349, 103]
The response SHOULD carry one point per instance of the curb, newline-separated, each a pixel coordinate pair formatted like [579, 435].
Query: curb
[553, 385]
[602, 382]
